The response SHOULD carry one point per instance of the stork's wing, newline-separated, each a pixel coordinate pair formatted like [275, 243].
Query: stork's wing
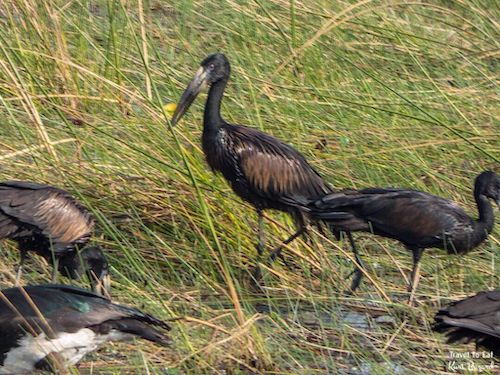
[414, 216]
[274, 169]
[52, 211]
[68, 309]
[474, 318]
[408, 215]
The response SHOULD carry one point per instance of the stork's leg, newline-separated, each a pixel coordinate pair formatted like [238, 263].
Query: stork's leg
[260, 245]
[24, 255]
[277, 250]
[358, 273]
[415, 274]
[262, 240]
[302, 225]
[55, 270]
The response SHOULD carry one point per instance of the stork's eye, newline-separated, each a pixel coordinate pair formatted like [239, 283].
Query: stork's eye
[211, 67]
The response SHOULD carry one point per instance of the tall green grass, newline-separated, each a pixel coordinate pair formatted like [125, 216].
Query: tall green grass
[373, 93]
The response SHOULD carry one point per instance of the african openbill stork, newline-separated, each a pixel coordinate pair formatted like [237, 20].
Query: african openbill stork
[261, 169]
[475, 318]
[419, 220]
[50, 222]
[43, 321]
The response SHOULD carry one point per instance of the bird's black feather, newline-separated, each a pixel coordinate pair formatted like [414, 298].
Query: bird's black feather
[41, 216]
[50, 222]
[35, 317]
[262, 170]
[417, 219]
[63, 308]
[475, 318]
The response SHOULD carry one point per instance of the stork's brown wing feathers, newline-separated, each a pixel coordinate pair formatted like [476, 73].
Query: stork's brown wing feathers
[410, 216]
[51, 211]
[273, 168]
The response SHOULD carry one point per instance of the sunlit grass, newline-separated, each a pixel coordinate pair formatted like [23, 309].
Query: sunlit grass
[373, 93]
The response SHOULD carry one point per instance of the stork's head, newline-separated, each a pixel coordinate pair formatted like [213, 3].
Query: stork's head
[488, 184]
[89, 262]
[214, 68]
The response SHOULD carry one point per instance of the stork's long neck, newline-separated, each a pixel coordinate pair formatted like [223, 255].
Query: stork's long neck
[212, 119]
[486, 215]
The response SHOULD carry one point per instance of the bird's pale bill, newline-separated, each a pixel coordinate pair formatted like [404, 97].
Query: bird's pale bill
[198, 84]
[102, 285]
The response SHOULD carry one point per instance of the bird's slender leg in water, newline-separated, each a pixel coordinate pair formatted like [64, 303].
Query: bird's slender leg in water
[415, 274]
[358, 271]
[302, 225]
[20, 267]
[277, 250]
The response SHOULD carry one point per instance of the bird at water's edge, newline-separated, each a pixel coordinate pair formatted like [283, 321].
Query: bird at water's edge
[50, 222]
[419, 220]
[261, 169]
[52, 326]
[475, 318]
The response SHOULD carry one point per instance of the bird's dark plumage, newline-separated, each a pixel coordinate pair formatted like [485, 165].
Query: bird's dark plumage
[261, 169]
[89, 263]
[419, 220]
[45, 220]
[37, 215]
[474, 319]
[67, 320]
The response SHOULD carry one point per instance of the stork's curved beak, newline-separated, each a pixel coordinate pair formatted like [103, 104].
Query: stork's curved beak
[199, 82]
[102, 284]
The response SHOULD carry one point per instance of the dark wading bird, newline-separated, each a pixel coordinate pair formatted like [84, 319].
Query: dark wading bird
[261, 169]
[474, 319]
[51, 223]
[65, 322]
[419, 220]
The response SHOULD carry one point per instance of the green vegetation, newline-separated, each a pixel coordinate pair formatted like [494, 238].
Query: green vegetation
[373, 93]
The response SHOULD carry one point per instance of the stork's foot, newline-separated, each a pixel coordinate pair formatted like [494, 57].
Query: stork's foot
[257, 283]
[358, 275]
[413, 301]
[276, 253]
[257, 272]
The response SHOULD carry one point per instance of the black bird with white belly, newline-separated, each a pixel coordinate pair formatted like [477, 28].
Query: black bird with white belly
[66, 322]
[419, 220]
[50, 222]
[474, 319]
[261, 169]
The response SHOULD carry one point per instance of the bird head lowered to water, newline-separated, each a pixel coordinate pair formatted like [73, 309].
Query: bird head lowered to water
[89, 262]
[214, 68]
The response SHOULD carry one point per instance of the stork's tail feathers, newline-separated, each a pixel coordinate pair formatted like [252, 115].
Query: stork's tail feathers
[144, 329]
